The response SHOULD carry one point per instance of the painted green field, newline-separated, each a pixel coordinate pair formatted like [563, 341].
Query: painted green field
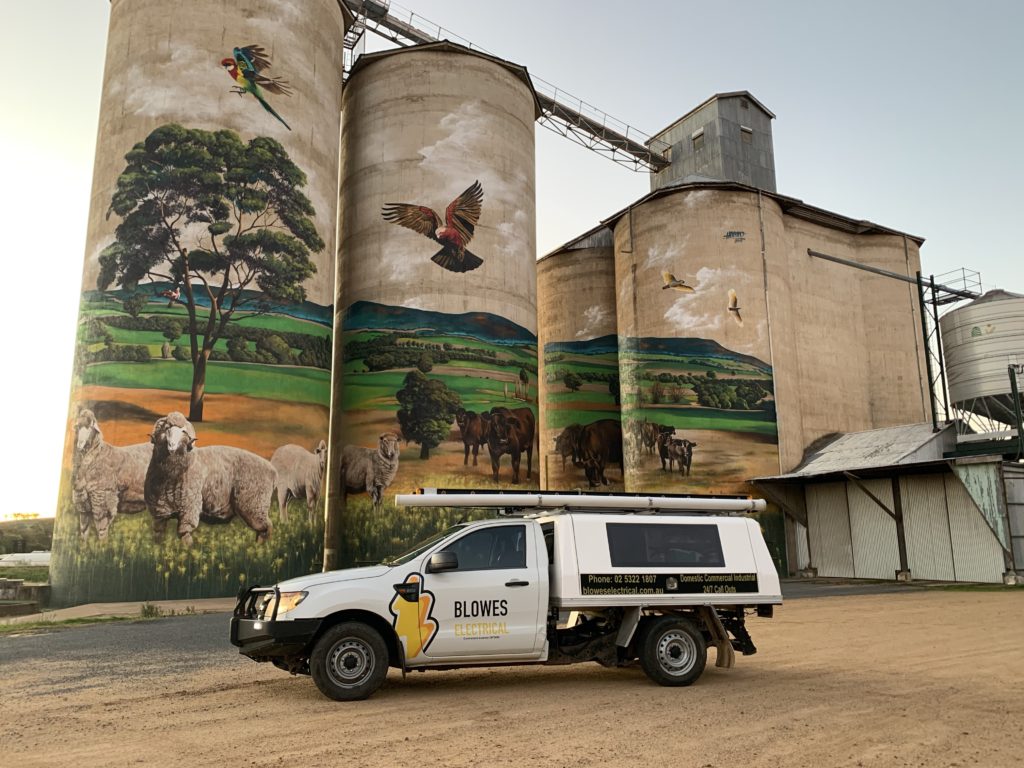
[582, 396]
[758, 422]
[376, 391]
[155, 340]
[270, 321]
[280, 382]
[559, 419]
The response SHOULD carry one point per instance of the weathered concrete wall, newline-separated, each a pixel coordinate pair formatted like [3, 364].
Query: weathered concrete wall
[579, 372]
[215, 304]
[435, 138]
[841, 346]
[846, 343]
[688, 363]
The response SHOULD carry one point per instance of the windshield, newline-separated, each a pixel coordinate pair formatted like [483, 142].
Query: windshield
[422, 547]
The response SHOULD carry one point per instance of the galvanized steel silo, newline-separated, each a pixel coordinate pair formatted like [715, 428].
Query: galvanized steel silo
[580, 428]
[980, 341]
[437, 288]
[207, 287]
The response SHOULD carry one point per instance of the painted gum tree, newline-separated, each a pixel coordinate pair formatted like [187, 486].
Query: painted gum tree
[221, 220]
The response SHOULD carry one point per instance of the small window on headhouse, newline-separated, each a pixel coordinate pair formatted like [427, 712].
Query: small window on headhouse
[698, 139]
[744, 103]
[746, 134]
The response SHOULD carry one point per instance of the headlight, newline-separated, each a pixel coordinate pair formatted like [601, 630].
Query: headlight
[289, 601]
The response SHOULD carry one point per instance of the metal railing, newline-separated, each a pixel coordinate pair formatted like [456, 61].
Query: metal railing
[561, 112]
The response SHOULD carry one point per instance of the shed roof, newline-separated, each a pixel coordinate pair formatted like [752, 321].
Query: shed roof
[889, 447]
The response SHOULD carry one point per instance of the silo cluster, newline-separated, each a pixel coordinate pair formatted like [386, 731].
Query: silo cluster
[203, 356]
[326, 297]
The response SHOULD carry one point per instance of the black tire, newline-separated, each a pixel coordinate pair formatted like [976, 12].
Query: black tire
[349, 662]
[672, 651]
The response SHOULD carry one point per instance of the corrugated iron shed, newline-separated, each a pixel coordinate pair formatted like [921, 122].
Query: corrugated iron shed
[874, 449]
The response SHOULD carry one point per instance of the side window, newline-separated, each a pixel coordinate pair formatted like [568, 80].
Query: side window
[499, 547]
[641, 545]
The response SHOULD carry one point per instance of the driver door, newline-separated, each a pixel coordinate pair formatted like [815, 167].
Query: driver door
[490, 605]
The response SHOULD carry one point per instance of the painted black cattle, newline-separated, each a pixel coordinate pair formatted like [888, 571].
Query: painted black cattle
[473, 430]
[600, 444]
[567, 444]
[511, 432]
[681, 452]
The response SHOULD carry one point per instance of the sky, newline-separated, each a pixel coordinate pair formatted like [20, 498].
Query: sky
[908, 114]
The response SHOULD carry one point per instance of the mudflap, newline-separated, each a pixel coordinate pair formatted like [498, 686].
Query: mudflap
[725, 656]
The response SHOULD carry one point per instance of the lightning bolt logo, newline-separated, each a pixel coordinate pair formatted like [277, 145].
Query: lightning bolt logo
[411, 607]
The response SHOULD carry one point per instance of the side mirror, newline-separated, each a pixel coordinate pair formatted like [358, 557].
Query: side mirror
[443, 561]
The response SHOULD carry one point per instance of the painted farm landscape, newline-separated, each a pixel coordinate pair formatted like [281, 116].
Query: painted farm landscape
[582, 379]
[698, 415]
[448, 389]
[267, 385]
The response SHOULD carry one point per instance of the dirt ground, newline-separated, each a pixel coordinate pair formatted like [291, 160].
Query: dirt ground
[929, 678]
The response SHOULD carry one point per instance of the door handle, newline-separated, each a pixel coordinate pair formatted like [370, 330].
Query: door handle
[515, 583]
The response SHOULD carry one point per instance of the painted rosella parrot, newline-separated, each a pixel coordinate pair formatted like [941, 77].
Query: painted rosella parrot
[454, 233]
[245, 68]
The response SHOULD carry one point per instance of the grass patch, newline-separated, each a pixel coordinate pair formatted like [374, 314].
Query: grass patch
[36, 627]
[147, 612]
[38, 574]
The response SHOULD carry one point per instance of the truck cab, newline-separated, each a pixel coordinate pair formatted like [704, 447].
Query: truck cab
[554, 583]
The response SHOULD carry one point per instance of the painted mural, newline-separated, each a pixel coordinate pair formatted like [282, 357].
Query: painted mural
[583, 415]
[438, 343]
[698, 405]
[431, 400]
[199, 409]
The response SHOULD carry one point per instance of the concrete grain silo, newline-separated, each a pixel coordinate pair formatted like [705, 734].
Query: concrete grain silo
[580, 428]
[736, 338]
[694, 356]
[437, 295]
[208, 287]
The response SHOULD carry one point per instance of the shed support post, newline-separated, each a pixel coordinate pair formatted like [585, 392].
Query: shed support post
[901, 534]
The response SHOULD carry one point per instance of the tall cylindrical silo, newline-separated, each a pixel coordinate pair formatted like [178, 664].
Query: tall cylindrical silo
[980, 341]
[580, 427]
[438, 289]
[208, 287]
[698, 404]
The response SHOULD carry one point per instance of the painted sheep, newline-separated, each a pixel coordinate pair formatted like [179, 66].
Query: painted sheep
[300, 474]
[216, 483]
[106, 480]
[370, 470]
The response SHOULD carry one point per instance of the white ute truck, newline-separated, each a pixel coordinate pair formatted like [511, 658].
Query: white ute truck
[559, 579]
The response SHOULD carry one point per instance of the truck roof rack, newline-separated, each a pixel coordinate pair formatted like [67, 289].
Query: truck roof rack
[516, 502]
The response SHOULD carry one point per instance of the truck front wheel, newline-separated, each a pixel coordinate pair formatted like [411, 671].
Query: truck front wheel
[672, 651]
[349, 662]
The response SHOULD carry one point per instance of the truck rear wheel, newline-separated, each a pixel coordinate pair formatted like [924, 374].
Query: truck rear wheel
[349, 662]
[672, 651]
